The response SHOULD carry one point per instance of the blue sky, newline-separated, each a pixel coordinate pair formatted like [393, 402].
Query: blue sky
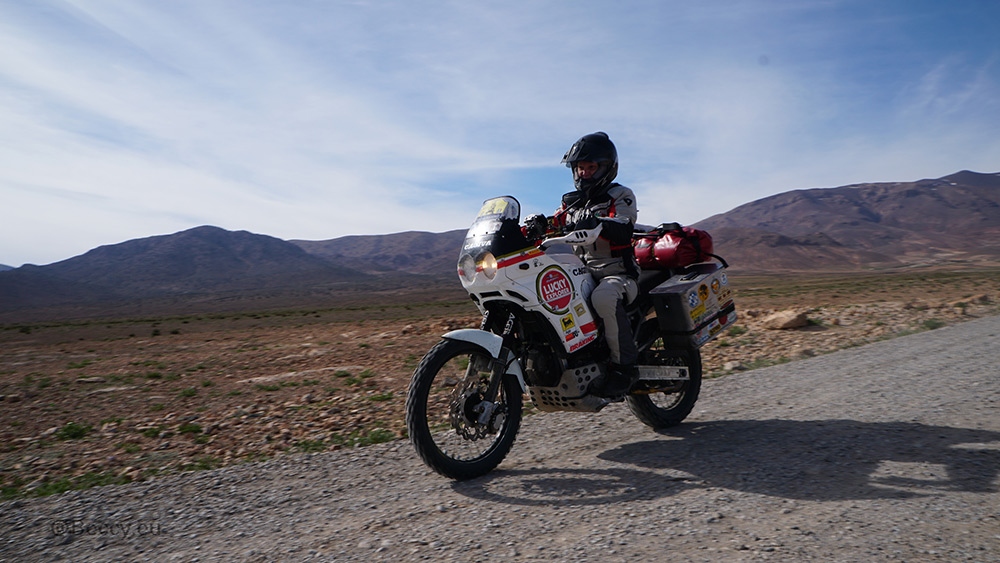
[122, 119]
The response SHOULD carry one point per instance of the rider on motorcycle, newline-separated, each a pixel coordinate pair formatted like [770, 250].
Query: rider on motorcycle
[611, 259]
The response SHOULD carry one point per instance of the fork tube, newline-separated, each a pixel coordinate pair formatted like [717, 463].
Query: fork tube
[500, 364]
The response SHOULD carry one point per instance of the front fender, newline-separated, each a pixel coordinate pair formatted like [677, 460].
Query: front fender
[493, 344]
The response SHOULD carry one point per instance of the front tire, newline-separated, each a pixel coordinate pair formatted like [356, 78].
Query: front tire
[668, 408]
[441, 415]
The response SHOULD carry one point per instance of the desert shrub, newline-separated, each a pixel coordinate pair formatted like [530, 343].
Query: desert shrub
[200, 464]
[310, 446]
[931, 324]
[73, 431]
[360, 438]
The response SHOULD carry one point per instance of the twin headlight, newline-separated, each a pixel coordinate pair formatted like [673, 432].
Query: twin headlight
[467, 266]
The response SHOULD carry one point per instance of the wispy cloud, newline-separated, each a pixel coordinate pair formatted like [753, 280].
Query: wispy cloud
[315, 120]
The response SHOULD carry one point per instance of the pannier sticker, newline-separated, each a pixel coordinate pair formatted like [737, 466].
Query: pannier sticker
[697, 313]
[693, 300]
[725, 295]
[580, 310]
[715, 287]
[713, 329]
[703, 292]
[555, 289]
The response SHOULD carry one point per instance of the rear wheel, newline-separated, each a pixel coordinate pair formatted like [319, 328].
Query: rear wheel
[444, 410]
[667, 407]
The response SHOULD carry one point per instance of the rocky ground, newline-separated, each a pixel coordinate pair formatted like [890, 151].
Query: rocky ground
[100, 403]
[888, 452]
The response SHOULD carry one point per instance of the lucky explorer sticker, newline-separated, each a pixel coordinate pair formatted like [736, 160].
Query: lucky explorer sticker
[555, 289]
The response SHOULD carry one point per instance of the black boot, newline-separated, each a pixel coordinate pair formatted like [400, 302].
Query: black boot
[617, 381]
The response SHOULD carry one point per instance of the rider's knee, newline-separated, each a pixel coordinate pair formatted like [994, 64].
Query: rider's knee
[605, 300]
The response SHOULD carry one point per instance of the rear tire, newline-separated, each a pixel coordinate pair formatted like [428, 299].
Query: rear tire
[440, 417]
[665, 409]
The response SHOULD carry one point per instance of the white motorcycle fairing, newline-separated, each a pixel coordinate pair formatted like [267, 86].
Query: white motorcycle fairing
[547, 279]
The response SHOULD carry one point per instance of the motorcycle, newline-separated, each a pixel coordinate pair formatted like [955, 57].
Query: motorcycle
[539, 336]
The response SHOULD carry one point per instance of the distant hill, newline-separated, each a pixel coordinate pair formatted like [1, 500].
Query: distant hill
[198, 260]
[201, 269]
[414, 252]
[954, 220]
[5, 267]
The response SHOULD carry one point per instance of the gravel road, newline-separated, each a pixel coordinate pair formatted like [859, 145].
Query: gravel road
[882, 453]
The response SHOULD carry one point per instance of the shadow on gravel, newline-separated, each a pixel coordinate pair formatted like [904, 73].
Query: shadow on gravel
[823, 459]
[570, 487]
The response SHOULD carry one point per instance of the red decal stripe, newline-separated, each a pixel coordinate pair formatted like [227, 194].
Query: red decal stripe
[504, 262]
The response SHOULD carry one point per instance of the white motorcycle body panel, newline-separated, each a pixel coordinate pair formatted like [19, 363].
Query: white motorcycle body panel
[557, 285]
[553, 282]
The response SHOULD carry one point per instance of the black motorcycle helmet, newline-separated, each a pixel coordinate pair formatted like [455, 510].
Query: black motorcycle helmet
[596, 147]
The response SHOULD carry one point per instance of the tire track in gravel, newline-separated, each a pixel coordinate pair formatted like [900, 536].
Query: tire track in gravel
[881, 453]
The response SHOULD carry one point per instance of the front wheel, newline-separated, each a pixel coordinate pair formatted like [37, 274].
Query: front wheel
[444, 409]
[668, 407]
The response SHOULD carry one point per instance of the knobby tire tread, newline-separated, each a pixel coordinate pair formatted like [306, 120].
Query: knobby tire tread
[659, 418]
[416, 415]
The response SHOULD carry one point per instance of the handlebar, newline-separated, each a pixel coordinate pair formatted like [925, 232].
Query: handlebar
[582, 237]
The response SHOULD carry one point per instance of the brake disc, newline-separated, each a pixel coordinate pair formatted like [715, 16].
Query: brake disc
[463, 416]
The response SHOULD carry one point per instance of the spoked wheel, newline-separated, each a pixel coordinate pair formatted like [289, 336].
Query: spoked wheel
[444, 409]
[669, 406]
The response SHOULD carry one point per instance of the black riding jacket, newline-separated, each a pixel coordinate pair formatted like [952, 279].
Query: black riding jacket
[616, 210]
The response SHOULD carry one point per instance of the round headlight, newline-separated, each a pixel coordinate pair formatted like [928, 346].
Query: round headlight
[467, 268]
[489, 264]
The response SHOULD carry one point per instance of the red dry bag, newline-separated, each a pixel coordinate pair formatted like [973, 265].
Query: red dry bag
[672, 246]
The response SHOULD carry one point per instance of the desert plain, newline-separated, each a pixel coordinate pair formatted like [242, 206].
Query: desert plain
[106, 401]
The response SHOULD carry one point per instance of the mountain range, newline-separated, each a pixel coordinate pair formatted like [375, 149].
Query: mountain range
[952, 221]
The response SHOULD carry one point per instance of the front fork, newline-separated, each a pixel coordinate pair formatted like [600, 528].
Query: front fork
[500, 362]
[498, 369]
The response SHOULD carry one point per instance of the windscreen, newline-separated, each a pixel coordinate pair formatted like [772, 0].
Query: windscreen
[496, 229]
